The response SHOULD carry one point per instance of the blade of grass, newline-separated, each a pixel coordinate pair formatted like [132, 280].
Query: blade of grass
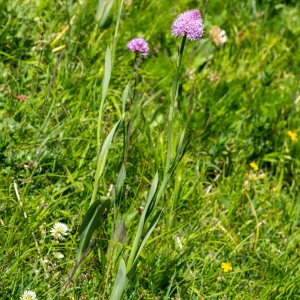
[120, 282]
[92, 221]
[101, 160]
[256, 219]
[142, 222]
[105, 84]
[104, 7]
[149, 232]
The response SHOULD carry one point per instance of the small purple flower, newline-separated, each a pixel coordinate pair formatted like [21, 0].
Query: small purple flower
[190, 24]
[138, 45]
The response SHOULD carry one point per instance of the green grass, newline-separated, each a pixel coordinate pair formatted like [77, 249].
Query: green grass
[237, 104]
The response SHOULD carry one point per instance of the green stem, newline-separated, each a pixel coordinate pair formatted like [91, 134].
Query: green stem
[112, 56]
[173, 96]
[120, 7]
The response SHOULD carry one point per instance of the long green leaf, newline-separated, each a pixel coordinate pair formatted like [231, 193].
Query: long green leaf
[104, 151]
[104, 7]
[91, 222]
[179, 153]
[153, 198]
[107, 73]
[142, 222]
[120, 282]
[105, 84]
[125, 97]
[115, 244]
[150, 230]
[120, 181]
[101, 160]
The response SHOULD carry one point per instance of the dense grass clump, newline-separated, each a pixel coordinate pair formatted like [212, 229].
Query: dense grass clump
[169, 173]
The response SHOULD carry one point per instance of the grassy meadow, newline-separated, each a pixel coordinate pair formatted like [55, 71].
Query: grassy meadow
[105, 194]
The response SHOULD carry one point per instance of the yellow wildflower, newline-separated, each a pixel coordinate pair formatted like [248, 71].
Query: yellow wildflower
[254, 166]
[226, 267]
[293, 135]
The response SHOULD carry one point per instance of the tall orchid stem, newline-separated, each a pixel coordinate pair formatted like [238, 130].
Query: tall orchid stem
[173, 104]
[132, 110]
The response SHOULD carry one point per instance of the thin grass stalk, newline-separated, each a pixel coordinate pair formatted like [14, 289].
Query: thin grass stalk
[256, 219]
[54, 74]
[120, 7]
[109, 58]
[34, 86]
[105, 83]
[171, 220]
[173, 96]
[52, 80]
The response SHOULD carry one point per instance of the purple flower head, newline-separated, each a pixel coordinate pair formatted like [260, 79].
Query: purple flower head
[190, 24]
[138, 45]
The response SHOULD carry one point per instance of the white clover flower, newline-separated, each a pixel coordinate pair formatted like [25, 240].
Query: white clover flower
[218, 36]
[178, 242]
[29, 295]
[59, 230]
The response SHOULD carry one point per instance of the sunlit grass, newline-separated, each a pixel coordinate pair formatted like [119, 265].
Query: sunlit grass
[225, 224]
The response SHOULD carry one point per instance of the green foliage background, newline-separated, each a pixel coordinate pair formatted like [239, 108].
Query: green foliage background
[244, 98]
